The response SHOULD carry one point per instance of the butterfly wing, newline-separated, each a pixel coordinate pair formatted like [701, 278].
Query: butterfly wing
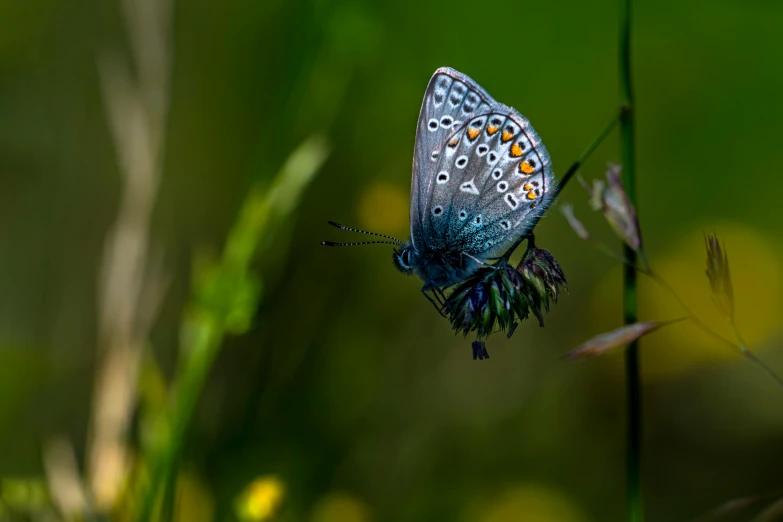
[451, 100]
[492, 183]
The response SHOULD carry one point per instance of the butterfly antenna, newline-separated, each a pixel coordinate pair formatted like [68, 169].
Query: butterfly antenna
[332, 244]
[349, 229]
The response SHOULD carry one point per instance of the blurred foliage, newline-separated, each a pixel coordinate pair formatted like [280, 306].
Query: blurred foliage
[338, 378]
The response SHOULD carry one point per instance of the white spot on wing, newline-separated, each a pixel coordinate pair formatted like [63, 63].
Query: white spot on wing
[469, 187]
[492, 158]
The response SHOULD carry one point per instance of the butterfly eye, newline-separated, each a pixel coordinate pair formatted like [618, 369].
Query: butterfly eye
[406, 257]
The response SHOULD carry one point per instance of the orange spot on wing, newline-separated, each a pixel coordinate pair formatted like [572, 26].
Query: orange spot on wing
[507, 136]
[531, 195]
[453, 143]
[528, 186]
[492, 129]
[472, 133]
[525, 168]
[516, 150]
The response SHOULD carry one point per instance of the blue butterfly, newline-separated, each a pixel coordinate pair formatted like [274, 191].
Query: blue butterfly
[482, 179]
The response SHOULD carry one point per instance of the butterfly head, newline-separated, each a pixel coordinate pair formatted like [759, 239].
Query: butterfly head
[405, 258]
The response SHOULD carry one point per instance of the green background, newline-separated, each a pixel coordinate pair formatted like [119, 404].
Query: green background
[349, 387]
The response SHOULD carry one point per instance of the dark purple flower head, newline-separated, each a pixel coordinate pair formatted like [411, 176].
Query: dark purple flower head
[496, 296]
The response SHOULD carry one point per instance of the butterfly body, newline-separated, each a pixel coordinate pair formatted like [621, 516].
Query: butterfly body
[482, 178]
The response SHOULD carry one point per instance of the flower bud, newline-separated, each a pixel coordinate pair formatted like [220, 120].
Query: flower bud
[720, 277]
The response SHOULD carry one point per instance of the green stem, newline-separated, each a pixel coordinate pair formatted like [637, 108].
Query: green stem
[739, 344]
[633, 377]
[589, 150]
[205, 344]
[743, 348]
[572, 170]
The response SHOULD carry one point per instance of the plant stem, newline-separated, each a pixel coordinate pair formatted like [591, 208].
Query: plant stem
[634, 392]
[572, 170]
[743, 348]
[205, 344]
[589, 150]
[209, 320]
[739, 344]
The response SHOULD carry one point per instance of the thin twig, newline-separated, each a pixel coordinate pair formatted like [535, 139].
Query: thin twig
[130, 284]
[740, 345]
[743, 348]
[589, 151]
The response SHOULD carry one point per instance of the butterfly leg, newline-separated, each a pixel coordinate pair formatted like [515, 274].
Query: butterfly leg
[440, 305]
[444, 300]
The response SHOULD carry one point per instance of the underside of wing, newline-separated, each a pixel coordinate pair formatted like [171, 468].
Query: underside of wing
[492, 183]
[451, 100]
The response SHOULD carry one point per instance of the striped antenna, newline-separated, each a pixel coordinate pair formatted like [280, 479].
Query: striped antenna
[330, 243]
[343, 227]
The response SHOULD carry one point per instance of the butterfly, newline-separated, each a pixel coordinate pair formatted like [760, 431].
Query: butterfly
[482, 178]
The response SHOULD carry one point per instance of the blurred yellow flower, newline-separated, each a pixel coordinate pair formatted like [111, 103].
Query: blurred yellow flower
[531, 503]
[384, 208]
[680, 348]
[260, 499]
[340, 507]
